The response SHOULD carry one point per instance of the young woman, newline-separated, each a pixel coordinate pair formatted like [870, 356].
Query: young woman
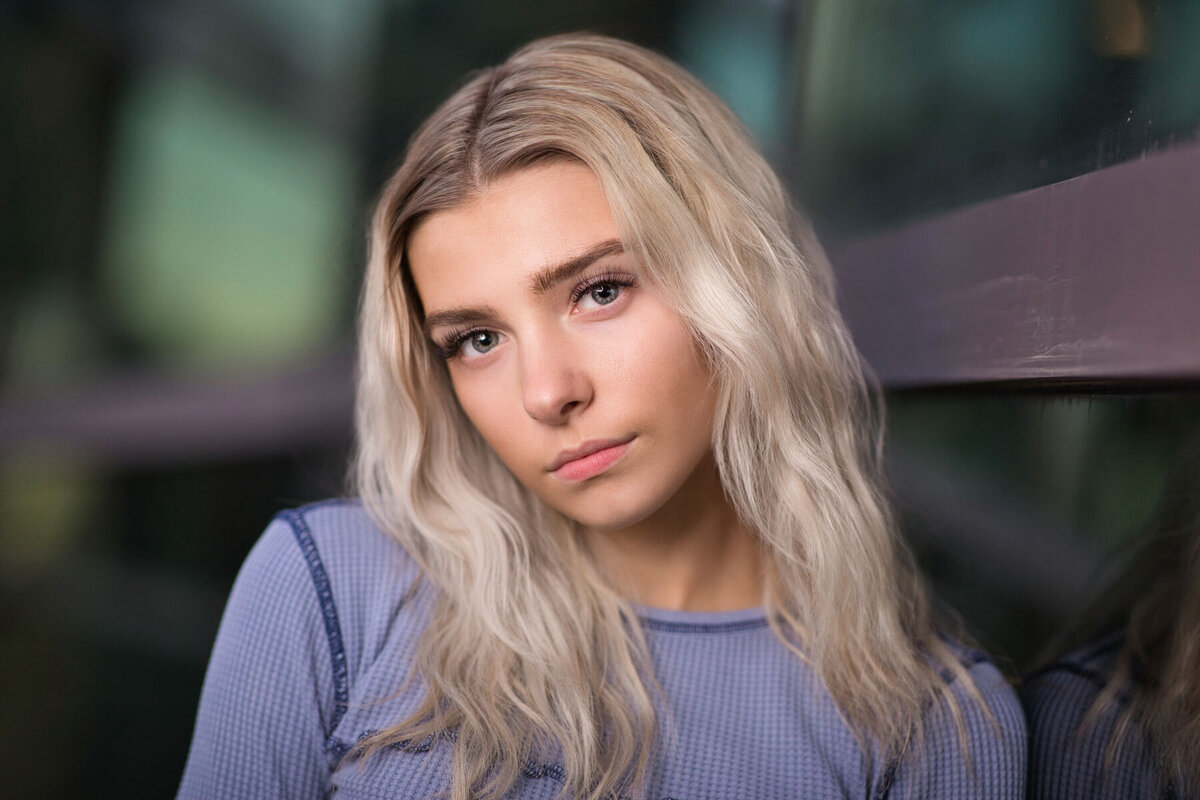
[621, 531]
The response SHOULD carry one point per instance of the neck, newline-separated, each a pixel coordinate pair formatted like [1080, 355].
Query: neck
[693, 554]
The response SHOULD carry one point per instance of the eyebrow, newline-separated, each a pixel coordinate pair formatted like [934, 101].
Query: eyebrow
[459, 316]
[549, 277]
[541, 282]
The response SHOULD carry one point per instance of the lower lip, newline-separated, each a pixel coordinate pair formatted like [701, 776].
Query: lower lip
[592, 464]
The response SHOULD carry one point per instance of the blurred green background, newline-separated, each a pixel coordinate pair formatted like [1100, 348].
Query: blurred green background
[185, 186]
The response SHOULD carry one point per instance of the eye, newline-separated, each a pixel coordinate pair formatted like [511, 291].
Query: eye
[604, 293]
[480, 341]
[602, 290]
[470, 343]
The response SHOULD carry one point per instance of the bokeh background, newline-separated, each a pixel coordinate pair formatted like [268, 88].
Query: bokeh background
[184, 190]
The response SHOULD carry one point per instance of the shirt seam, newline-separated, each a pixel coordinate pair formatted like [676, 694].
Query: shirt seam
[702, 627]
[329, 616]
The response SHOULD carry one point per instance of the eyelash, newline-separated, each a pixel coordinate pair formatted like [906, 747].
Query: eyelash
[614, 278]
[454, 341]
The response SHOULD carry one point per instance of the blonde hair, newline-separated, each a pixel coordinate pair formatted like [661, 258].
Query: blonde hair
[528, 646]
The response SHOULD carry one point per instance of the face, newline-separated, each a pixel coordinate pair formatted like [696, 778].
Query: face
[586, 384]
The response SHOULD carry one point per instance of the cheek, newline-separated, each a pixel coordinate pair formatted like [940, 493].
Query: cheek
[485, 408]
[670, 369]
[494, 408]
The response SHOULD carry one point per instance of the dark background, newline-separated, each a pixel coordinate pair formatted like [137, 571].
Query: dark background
[184, 189]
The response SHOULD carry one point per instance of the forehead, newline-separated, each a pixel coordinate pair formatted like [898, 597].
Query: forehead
[519, 223]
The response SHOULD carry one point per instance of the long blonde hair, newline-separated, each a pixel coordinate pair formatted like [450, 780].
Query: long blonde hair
[528, 646]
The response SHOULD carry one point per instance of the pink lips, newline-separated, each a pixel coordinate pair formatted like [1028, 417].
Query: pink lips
[589, 459]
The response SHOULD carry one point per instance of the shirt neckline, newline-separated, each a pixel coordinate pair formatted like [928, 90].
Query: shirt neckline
[666, 619]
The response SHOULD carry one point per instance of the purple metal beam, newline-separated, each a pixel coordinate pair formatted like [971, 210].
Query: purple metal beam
[1096, 278]
[149, 420]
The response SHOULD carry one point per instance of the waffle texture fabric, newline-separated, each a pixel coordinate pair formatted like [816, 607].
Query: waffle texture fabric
[1068, 759]
[320, 631]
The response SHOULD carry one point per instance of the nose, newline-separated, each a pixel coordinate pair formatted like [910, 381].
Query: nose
[554, 385]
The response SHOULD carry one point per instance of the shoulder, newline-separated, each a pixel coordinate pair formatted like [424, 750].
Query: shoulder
[330, 552]
[339, 544]
[982, 691]
[342, 530]
[309, 601]
[325, 579]
[974, 738]
[359, 575]
[327, 570]
[1070, 736]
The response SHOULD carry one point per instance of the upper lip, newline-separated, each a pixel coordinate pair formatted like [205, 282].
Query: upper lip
[585, 449]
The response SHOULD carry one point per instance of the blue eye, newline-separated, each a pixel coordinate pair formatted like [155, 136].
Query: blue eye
[481, 341]
[604, 289]
[604, 293]
[477, 341]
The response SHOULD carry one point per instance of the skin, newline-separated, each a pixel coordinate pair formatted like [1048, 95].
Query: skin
[540, 372]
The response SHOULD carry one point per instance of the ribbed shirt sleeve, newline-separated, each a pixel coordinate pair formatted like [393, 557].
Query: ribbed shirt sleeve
[996, 746]
[267, 698]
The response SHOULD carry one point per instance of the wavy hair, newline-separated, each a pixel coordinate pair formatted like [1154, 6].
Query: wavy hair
[529, 647]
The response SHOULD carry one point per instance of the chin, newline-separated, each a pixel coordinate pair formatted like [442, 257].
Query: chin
[605, 515]
[606, 523]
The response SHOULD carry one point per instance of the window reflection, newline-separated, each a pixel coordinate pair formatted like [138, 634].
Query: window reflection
[910, 108]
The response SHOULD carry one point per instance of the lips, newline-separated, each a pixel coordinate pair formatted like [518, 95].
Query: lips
[590, 447]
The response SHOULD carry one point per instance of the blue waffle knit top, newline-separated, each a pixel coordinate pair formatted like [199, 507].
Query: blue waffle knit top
[320, 632]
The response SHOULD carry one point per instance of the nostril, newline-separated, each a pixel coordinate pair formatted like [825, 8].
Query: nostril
[554, 391]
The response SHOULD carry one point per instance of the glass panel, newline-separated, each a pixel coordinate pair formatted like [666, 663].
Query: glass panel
[907, 108]
[1022, 507]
